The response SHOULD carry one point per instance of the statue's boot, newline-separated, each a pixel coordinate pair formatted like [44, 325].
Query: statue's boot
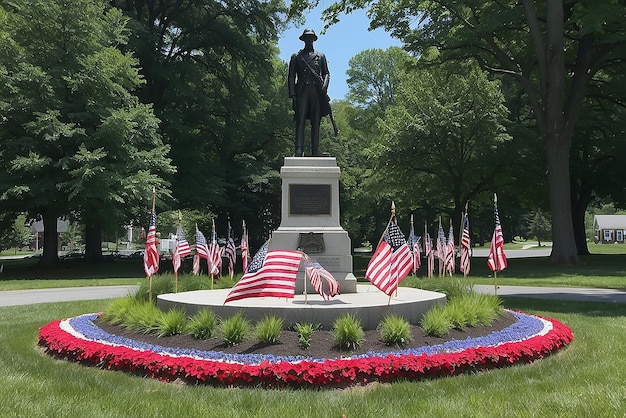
[315, 149]
[299, 146]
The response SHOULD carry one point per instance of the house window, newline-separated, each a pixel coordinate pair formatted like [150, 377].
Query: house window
[619, 234]
[608, 235]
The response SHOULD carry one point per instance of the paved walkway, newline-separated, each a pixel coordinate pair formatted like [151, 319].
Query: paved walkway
[29, 297]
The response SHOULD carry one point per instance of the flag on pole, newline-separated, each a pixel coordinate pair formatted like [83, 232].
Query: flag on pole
[441, 248]
[497, 259]
[196, 264]
[201, 247]
[231, 252]
[244, 247]
[180, 250]
[429, 253]
[315, 272]
[270, 273]
[214, 259]
[392, 261]
[413, 242]
[151, 256]
[450, 265]
[466, 247]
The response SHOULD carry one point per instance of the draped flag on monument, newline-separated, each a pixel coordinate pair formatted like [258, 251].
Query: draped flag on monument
[450, 266]
[151, 256]
[270, 273]
[466, 248]
[392, 261]
[180, 250]
[315, 272]
[497, 259]
[231, 252]
[244, 247]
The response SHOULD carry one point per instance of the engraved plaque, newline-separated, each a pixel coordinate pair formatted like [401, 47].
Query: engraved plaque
[311, 243]
[309, 199]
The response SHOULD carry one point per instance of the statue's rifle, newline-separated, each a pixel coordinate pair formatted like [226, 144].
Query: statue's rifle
[320, 84]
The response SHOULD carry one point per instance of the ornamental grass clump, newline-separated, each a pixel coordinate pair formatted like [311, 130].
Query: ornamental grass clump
[203, 324]
[347, 332]
[268, 329]
[394, 331]
[436, 322]
[118, 310]
[235, 329]
[172, 322]
[305, 333]
[144, 317]
[161, 284]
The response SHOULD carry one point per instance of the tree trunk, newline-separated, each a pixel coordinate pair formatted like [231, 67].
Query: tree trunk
[579, 208]
[563, 240]
[93, 243]
[50, 256]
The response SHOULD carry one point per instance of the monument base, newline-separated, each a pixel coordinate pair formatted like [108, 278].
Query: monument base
[310, 219]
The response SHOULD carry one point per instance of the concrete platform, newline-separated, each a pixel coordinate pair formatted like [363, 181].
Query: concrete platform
[368, 304]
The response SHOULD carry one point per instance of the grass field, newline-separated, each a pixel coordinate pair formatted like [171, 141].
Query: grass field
[587, 379]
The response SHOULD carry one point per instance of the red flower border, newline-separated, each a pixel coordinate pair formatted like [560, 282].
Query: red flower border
[329, 373]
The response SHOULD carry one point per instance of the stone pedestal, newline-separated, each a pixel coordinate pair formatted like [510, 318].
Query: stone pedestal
[310, 219]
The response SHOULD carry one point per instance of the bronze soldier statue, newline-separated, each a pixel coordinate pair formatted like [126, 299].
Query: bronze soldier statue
[308, 84]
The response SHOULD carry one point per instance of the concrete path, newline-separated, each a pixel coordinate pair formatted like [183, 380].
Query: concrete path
[29, 297]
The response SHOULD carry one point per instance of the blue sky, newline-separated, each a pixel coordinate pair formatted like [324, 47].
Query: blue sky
[341, 42]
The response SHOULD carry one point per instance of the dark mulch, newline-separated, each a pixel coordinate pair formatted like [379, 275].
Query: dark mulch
[322, 344]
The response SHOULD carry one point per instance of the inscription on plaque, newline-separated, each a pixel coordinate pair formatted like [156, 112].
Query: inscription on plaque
[309, 199]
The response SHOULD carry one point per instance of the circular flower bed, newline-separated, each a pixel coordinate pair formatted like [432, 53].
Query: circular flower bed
[80, 339]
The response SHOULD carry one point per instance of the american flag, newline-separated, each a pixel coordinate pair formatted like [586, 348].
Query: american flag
[497, 259]
[151, 256]
[392, 261]
[201, 248]
[214, 259]
[181, 249]
[430, 254]
[244, 248]
[316, 273]
[231, 252]
[270, 273]
[441, 248]
[450, 252]
[465, 247]
[414, 246]
[196, 264]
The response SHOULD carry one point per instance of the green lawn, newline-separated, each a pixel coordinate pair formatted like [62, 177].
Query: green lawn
[587, 379]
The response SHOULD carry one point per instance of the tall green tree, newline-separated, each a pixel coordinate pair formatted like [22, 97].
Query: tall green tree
[75, 139]
[445, 138]
[553, 49]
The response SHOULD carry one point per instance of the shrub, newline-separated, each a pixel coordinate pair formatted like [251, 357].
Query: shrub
[234, 329]
[173, 322]
[269, 328]
[305, 332]
[347, 332]
[394, 330]
[436, 322]
[202, 325]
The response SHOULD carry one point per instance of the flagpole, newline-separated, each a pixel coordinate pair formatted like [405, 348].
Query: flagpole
[461, 231]
[180, 220]
[495, 273]
[150, 277]
[304, 279]
[393, 214]
[212, 261]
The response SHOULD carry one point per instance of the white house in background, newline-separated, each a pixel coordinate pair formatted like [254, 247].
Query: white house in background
[609, 229]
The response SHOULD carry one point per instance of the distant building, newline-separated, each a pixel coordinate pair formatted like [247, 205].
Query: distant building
[609, 229]
[36, 227]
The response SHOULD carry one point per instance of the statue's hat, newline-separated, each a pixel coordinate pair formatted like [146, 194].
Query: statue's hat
[308, 32]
